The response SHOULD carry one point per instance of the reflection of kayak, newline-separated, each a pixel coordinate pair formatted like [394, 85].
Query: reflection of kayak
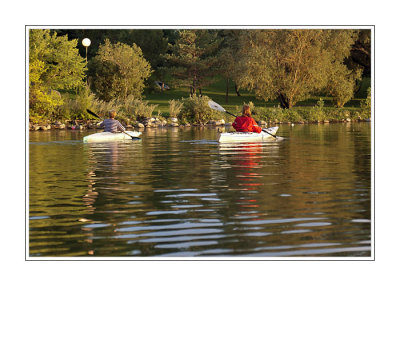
[232, 137]
[109, 137]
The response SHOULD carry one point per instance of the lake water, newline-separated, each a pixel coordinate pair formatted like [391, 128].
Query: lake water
[179, 193]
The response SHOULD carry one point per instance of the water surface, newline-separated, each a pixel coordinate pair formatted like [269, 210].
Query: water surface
[178, 193]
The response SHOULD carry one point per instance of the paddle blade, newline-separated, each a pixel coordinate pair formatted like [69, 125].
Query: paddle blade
[92, 113]
[215, 106]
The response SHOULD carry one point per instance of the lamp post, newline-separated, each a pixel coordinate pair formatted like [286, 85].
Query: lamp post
[86, 43]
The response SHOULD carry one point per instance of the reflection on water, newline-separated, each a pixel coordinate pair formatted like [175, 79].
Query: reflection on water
[178, 193]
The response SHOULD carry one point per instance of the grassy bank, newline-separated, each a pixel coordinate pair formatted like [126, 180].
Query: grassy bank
[156, 104]
[306, 111]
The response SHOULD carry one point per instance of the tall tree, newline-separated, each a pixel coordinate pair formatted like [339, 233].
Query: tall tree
[291, 65]
[152, 42]
[54, 64]
[192, 58]
[361, 53]
[227, 57]
[342, 78]
[119, 70]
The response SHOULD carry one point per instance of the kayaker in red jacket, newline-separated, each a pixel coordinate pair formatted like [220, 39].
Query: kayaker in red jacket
[245, 123]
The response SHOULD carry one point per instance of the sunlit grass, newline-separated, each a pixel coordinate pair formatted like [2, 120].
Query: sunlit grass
[217, 90]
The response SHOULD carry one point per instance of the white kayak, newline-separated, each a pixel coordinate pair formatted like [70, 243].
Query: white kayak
[110, 137]
[238, 137]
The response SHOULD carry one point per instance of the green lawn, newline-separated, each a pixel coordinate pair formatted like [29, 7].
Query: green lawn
[216, 92]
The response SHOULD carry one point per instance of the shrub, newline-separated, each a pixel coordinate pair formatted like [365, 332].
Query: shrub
[273, 114]
[195, 110]
[366, 106]
[103, 107]
[292, 115]
[175, 107]
[75, 108]
[136, 109]
[317, 113]
[43, 104]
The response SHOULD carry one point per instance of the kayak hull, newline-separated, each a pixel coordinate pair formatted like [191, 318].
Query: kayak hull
[239, 137]
[100, 137]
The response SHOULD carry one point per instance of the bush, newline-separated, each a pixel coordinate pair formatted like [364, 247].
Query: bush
[73, 109]
[195, 110]
[366, 106]
[136, 109]
[292, 116]
[273, 114]
[317, 113]
[103, 107]
[43, 105]
[175, 107]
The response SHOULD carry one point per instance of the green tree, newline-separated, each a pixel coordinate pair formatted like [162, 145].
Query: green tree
[192, 58]
[292, 65]
[341, 78]
[119, 70]
[54, 64]
[227, 57]
[361, 53]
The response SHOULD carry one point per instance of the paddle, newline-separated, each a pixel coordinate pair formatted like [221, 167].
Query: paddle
[94, 114]
[218, 107]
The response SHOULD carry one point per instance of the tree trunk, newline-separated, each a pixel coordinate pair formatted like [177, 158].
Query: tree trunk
[227, 91]
[237, 90]
[194, 86]
[284, 101]
[200, 92]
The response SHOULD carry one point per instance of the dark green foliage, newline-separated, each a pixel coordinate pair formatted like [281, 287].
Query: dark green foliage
[360, 57]
[193, 59]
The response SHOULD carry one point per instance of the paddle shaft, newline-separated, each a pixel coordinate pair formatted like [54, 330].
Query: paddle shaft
[94, 114]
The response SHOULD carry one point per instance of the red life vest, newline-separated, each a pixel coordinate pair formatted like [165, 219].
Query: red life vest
[246, 124]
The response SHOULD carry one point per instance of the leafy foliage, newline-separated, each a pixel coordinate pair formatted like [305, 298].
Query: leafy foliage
[193, 59]
[291, 65]
[284, 65]
[227, 56]
[195, 110]
[341, 83]
[366, 105]
[54, 64]
[75, 108]
[175, 107]
[136, 109]
[119, 70]
[360, 57]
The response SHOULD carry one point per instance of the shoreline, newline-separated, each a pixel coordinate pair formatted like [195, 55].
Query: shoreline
[214, 124]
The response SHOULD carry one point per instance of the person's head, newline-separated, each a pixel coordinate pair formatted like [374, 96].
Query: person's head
[112, 114]
[246, 111]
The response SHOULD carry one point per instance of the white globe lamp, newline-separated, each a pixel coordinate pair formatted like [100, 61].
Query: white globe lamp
[86, 43]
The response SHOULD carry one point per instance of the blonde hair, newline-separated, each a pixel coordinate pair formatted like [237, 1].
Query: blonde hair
[112, 114]
[246, 110]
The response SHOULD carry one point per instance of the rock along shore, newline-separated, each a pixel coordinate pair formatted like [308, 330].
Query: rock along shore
[171, 122]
